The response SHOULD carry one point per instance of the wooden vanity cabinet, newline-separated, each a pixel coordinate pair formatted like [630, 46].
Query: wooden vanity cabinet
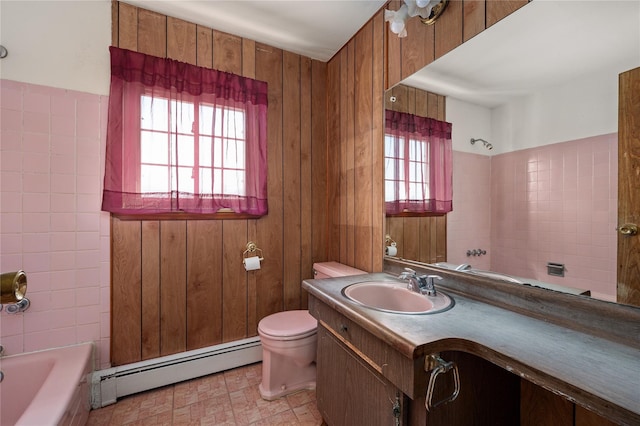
[349, 391]
[362, 380]
[540, 407]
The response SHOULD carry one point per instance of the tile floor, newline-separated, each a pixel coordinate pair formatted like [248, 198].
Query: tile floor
[226, 398]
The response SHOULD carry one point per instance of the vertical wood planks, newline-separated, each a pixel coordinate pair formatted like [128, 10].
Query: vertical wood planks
[363, 160]
[332, 183]
[150, 294]
[125, 293]
[181, 39]
[500, 9]
[355, 117]
[377, 151]
[628, 274]
[152, 33]
[291, 114]
[448, 29]
[473, 18]
[173, 287]
[204, 43]
[204, 283]
[126, 27]
[227, 52]
[323, 195]
[234, 281]
[269, 229]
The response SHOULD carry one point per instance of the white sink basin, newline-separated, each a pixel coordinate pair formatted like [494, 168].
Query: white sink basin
[395, 297]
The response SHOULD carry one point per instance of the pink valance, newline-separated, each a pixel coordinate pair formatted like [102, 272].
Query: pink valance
[418, 164]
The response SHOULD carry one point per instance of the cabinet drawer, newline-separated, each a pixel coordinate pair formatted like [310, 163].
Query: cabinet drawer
[405, 373]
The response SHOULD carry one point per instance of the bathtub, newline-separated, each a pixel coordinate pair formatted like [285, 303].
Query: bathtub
[47, 387]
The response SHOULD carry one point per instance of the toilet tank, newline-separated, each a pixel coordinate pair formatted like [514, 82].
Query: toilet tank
[333, 269]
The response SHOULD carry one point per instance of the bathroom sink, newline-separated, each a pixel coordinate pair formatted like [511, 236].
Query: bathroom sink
[395, 297]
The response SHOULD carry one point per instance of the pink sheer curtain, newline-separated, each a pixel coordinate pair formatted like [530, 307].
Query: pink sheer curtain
[183, 138]
[418, 164]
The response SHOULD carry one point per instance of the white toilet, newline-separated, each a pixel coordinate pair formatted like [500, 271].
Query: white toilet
[289, 343]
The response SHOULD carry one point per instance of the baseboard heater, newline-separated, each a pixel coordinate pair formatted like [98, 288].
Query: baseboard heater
[110, 384]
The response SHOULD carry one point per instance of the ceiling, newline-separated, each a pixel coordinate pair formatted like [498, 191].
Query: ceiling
[313, 28]
[543, 43]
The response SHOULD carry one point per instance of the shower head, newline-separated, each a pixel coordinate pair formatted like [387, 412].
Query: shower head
[485, 143]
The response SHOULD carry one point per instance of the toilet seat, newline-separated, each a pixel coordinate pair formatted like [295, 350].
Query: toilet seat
[288, 325]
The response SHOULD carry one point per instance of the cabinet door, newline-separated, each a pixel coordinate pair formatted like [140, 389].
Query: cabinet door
[349, 392]
[488, 395]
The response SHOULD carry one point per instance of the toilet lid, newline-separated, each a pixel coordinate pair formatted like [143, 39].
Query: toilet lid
[288, 324]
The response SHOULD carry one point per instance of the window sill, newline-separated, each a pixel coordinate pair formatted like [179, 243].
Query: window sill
[225, 215]
[416, 214]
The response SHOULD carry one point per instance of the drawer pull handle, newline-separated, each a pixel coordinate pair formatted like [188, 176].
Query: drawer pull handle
[439, 366]
[343, 328]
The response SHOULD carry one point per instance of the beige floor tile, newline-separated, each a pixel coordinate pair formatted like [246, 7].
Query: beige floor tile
[228, 398]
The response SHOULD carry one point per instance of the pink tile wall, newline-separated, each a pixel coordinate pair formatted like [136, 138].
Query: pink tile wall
[469, 224]
[51, 163]
[558, 203]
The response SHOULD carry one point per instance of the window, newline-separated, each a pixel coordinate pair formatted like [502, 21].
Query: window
[208, 148]
[418, 164]
[182, 138]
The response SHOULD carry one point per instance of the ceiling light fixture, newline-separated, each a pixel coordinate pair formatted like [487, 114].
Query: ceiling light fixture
[428, 11]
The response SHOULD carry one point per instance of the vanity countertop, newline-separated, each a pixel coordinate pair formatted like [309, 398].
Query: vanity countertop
[599, 373]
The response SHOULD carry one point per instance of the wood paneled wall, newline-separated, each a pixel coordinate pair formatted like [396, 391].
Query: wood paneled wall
[355, 133]
[462, 20]
[418, 238]
[179, 284]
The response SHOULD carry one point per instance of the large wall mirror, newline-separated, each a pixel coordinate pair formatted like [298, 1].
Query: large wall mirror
[537, 197]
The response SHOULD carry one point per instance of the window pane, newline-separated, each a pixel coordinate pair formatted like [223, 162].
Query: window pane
[206, 120]
[154, 114]
[206, 180]
[233, 182]
[234, 155]
[235, 124]
[217, 152]
[389, 188]
[183, 118]
[217, 181]
[154, 147]
[154, 178]
[185, 151]
[205, 151]
[185, 180]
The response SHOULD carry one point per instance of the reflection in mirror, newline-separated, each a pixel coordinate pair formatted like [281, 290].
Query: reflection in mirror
[428, 233]
[540, 86]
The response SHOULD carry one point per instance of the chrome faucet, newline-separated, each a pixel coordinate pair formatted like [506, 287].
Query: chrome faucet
[422, 284]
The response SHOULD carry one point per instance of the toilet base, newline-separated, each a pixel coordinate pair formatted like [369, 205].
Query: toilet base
[272, 395]
[281, 376]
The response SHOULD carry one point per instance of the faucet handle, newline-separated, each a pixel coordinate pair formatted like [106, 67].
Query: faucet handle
[408, 273]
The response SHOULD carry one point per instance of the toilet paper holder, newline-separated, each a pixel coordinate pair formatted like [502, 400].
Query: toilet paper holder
[389, 241]
[252, 248]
